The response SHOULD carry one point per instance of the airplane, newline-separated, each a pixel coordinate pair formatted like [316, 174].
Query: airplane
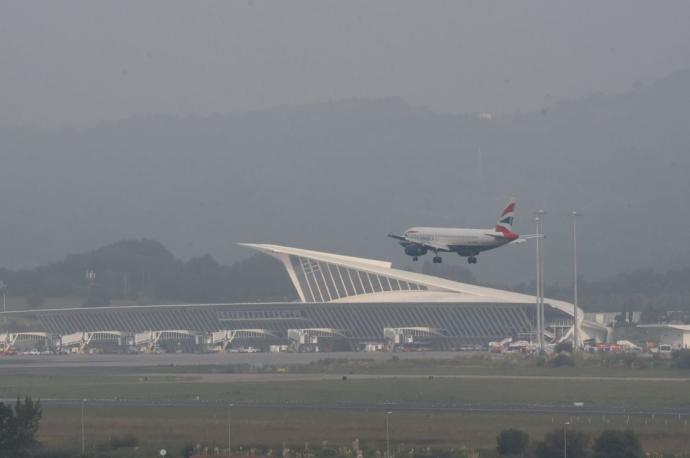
[417, 241]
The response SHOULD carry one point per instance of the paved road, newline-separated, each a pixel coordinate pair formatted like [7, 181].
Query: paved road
[117, 364]
[679, 413]
[272, 377]
[9, 364]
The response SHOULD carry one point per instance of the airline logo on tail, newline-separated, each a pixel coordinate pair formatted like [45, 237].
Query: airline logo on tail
[505, 222]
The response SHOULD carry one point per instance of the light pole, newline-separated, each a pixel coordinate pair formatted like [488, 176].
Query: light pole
[388, 438]
[83, 430]
[540, 286]
[3, 288]
[539, 220]
[229, 436]
[565, 439]
[538, 315]
[576, 340]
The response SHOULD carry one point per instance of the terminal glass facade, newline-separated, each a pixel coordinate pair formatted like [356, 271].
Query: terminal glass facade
[325, 282]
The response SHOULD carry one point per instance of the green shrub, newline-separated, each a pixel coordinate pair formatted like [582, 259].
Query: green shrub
[681, 359]
[552, 445]
[617, 444]
[562, 359]
[564, 346]
[512, 442]
[126, 441]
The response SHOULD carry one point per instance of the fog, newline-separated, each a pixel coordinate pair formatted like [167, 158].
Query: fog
[76, 63]
[327, 125]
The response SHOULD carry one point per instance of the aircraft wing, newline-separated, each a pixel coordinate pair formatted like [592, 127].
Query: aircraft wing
[520, 240]
[434, 246]
[397, 237]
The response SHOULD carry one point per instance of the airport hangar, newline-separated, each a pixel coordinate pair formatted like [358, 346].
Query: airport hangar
[352, 301]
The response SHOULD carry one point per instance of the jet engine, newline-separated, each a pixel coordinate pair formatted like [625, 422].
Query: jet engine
[415, 250]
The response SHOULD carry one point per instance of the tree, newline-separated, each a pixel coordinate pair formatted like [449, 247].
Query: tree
[97, 296]
[18, 427]
[652, 313]
[564, 346]
[552, 446]
[681, 359]
[562, 359]
[450, 271]
[512, 442]
[617, 444]
[35, 300]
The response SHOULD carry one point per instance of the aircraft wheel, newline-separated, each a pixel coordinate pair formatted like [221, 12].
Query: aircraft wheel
[415, 258]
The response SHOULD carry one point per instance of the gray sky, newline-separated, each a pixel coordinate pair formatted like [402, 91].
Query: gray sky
[76, 63]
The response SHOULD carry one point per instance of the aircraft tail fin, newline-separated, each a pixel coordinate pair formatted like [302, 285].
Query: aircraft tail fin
[505, 221]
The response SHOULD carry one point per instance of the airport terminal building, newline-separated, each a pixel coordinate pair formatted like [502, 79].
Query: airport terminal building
[345, 303]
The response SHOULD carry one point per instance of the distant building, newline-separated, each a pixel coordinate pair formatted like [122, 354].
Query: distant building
[609, 318]
[675, 335]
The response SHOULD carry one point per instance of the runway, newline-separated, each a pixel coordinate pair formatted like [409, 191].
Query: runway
[468, 408]
[12, 363]
[143, 365]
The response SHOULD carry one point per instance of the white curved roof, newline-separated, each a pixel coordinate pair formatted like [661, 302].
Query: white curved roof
[326, 257]
[439, 289]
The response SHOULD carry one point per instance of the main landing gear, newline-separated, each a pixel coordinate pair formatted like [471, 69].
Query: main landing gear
[437, 260]
[472, 260]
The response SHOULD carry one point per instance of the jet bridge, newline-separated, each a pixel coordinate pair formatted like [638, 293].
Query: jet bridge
[320, 339]
[79, 342]
[28, 340]
[149, 341]
[414, 337]
[227, 338]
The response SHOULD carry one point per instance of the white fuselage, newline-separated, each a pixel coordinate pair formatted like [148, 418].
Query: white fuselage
[466, 242]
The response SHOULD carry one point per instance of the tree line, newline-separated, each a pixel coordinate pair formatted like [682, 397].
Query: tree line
[643, 290]
[608, 444]
[146, 272]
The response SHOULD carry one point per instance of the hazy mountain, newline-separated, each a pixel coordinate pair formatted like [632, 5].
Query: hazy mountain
[145, 272]
[339, 176]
